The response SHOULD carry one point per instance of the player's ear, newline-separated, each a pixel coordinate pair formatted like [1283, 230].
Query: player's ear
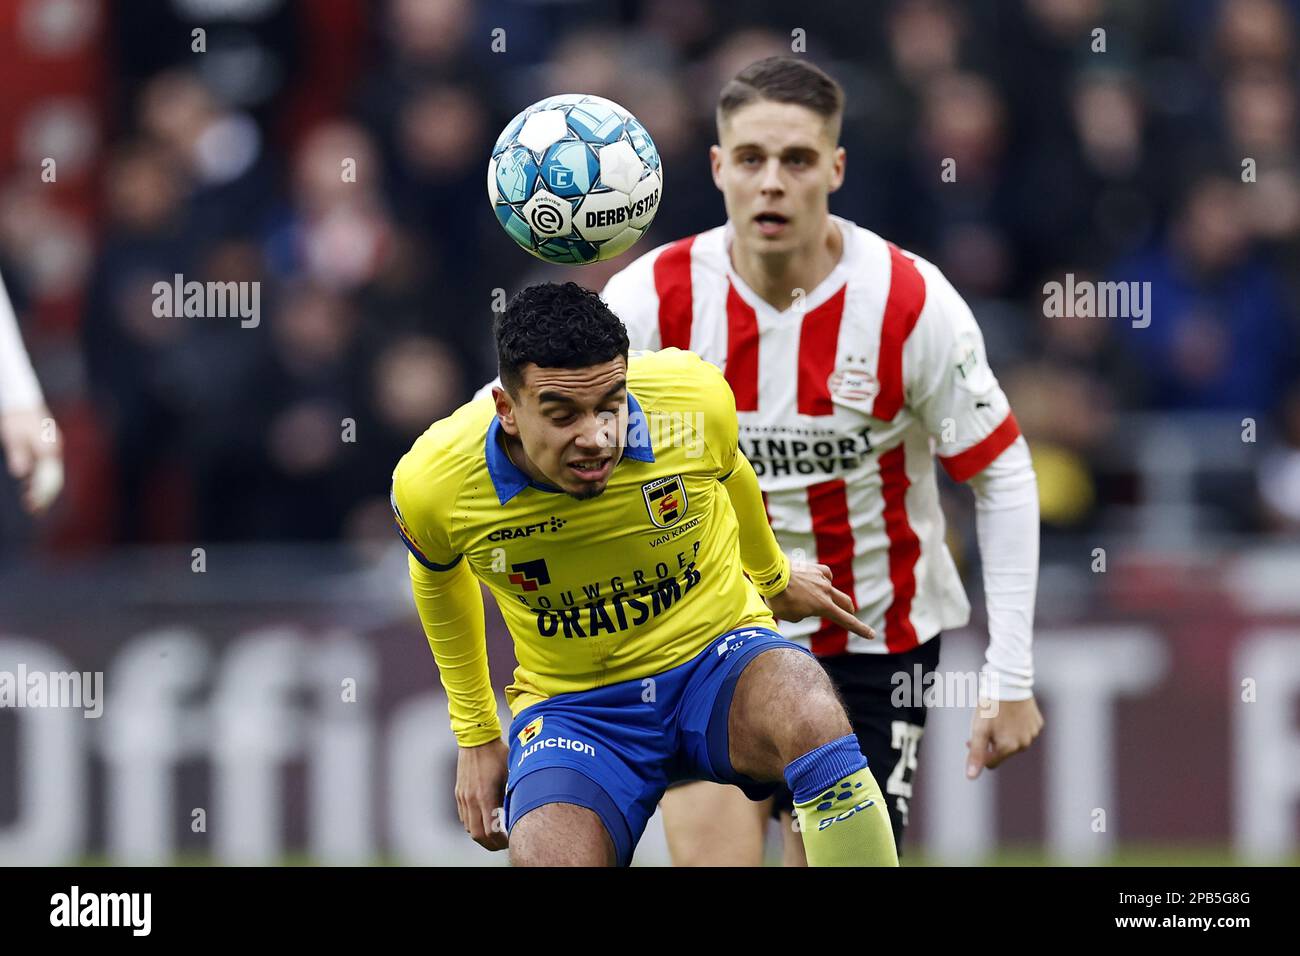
[505, 411]
[838, 161]
[715, 163]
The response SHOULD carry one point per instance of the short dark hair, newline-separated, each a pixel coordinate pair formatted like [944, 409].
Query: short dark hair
[784, 79]
[556, 326]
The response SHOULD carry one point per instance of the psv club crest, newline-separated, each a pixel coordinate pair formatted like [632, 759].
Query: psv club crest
[852, 385]
[665, 499]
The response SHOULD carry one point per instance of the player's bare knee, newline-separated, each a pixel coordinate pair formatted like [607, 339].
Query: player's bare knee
[793, 703]
[818, 716]
[821, 722]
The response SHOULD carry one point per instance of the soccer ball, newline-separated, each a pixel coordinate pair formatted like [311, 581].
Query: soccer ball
[575, 179]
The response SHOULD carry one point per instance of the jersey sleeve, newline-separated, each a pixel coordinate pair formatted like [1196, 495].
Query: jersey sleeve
[630, 294]
[950, 386]
[450, 606]
[447, 595]
[18, 385]
[421, 508]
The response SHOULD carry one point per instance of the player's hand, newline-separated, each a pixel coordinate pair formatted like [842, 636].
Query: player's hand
[34, 453]
[1010, 727]
[810, 593]
[481, 792]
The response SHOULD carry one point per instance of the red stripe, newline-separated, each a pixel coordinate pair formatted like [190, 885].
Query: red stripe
[742, 351]
[673, 286]
[965, 465]
[902, 307]
[904, 550]
[829, 505]
[819, 338]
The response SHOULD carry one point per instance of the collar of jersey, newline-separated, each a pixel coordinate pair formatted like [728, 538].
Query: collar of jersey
[824, 290]
[509, 480]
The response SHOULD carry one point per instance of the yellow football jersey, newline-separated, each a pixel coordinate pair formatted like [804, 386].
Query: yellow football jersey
[622, 586]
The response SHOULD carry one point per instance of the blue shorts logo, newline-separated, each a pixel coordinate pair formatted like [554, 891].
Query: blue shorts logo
[531, 730]
[733, 642]
[561, 743]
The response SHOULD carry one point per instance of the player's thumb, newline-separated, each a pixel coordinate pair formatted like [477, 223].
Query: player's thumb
[978, 748]
[19, 457]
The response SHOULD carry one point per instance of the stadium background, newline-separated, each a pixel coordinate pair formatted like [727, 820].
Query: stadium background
[1168, 456]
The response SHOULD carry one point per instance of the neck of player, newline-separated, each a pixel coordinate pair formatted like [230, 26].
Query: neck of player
[514, 450]
[775, 276]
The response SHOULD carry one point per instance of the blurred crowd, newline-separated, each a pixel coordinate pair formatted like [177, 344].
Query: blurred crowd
[1164, 148]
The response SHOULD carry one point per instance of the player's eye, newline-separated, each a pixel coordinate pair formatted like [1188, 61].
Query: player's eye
[799, 161]
[751, 159]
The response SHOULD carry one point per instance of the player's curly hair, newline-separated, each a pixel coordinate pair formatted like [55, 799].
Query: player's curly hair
[556, 326]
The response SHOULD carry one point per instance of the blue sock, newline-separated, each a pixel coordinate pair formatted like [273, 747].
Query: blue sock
[822, 768]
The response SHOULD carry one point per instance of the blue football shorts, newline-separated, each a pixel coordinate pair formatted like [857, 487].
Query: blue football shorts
[615, 749]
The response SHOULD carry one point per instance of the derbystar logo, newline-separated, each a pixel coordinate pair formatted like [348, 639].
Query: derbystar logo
[552, 525]
[530, 575]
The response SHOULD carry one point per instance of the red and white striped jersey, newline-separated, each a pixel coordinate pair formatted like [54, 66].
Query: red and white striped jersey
[844, 400]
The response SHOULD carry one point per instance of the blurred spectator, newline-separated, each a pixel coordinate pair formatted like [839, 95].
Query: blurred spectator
[338, 227]
[131, 354]
[959, 184]
[1256, 33]
[923, 38]
[1219, 336]
[1279, 474]
[220, 151]
[334, 155]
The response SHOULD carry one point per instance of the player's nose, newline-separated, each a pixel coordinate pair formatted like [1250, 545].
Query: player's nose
[593, 435]
[771, 182]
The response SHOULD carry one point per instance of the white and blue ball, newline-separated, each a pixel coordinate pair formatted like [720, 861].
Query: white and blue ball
[575, 179]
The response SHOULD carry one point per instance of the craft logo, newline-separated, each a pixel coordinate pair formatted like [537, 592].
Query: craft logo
[553, 525]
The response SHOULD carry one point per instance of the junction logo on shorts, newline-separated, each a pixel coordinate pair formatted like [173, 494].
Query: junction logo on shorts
[531, 730]
[665, 499]
[557, 743]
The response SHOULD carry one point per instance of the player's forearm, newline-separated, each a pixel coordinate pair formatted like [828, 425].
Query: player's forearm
[451, 610]
[18, 386]
[1006, 523]
[760, 554]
